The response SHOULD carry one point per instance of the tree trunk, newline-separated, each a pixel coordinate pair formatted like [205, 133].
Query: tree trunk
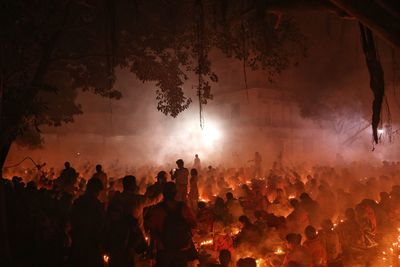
[5, 253]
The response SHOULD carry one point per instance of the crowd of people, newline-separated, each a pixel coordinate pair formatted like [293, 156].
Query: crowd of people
[299, 215]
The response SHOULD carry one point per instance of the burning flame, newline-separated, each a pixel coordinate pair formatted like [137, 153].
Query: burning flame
[106, 258]
[235, 230]
[260, 262]
[279, 251]
[206, 242]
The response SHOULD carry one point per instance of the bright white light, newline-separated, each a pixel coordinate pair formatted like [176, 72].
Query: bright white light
[381, 131]
[210, 134]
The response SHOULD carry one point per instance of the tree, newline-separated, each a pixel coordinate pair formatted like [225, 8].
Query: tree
[51, 49]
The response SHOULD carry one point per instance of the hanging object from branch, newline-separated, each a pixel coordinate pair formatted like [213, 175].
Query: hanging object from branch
[377, 82]
[201, 58]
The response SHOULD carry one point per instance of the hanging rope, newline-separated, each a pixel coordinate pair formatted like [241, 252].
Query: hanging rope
[244, 51]
[111, 49]
[377, 82]
[200, 56]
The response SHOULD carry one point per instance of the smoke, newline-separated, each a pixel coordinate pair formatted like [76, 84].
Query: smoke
[316, 112]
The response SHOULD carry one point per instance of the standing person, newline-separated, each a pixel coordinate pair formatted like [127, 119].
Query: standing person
[197, 163]
[181, 177]
[132, 203]
[87, 225]
[170, 223]
[67, 179]
[102, 176]
[257, 164]
[194, 191]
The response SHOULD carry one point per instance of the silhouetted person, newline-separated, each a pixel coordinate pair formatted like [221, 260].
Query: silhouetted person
[157, 188]
[102, 176]
[296, 252]
[170, 224]
[181, 176]
[314, 246]
[197, 163]
[194, 191]
[132, 203]
[124, 236]
[87, 225]
[67, 179]
[257, 165]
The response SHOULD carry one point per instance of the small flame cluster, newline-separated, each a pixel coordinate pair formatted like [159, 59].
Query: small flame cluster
[392, 256]
[106, 259]
[207, 242]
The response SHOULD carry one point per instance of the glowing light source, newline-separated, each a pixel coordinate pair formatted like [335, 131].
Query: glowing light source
[206, 242]
[381, 131]
[106, 258]
[210, 134]
[279, 251]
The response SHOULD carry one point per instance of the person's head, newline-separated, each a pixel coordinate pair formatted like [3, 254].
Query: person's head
[99, 168]
[246, 262]
[169, 191]
[229, 196]
[94, 186]
[67, 164]
[162, 177]
[180, 163]
[305, 197]
[310, 232]
[201, 205]
[196, 156]
[244, 220]
[327, 225]
[193, 172]
[258, 214]
[225, 257]
[129, 183]
[293, 239]
[294, 203]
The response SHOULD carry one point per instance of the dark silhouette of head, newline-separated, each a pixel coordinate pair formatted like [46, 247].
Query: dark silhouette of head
[169, 191]
[67, 165]
[129, 183]
[244, 220]
[180, 163]
[229, 196]
[225, 257]
[294, 203]
[196, 156]
[305, 197]
[99, 168]
[162, 177]
[193, 172]
[293, 239]
[310, 232]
